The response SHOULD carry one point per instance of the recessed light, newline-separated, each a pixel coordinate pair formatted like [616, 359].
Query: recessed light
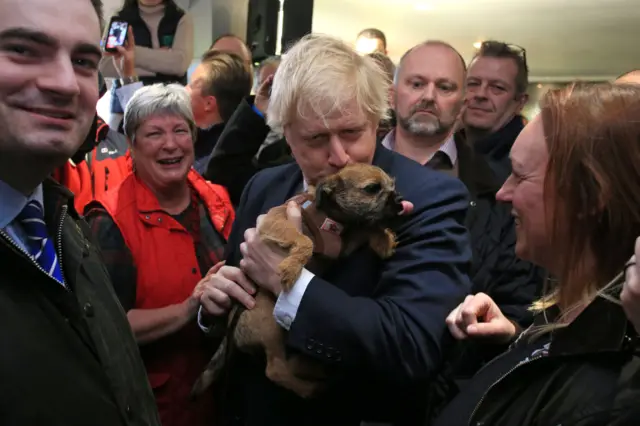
[539, 86]
[477, 44]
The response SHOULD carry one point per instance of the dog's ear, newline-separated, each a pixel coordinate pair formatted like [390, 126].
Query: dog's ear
[324, 190]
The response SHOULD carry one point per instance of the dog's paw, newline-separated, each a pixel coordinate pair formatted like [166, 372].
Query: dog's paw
[383, 243]
[289, 273]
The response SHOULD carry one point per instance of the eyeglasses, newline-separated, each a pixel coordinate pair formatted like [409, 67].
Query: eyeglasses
[498, 47]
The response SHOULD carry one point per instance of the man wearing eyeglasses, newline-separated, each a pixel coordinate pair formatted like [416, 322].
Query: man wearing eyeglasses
[497, 82]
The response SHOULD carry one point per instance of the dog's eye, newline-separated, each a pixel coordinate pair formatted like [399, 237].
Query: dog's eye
[373, 188]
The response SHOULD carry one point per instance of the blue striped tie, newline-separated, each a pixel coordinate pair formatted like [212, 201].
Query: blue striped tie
[39, 244]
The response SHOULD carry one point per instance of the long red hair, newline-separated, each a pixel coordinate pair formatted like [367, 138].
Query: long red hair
[592, 184]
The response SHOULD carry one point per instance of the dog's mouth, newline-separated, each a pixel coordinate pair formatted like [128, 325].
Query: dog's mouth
[395, 201]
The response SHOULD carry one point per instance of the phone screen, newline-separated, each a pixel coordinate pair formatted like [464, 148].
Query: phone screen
[117, 35]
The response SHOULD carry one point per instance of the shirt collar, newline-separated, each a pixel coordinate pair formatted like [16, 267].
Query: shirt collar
[12, 202]
[448, 147]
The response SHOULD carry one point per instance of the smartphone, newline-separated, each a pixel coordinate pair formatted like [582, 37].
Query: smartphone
[117, 35]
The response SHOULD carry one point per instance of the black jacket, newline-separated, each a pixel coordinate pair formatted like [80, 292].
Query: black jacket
[68, 357]
[495, 148]
[379, 324]
[233, 160]
[496, 270]
[589, 377]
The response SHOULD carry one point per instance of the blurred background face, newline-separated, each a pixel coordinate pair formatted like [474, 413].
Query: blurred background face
[48, 90]
[323, 147]
[201, 104]
[266, 72]
[234, 45]
[492, 98]
[163, 151]
[429, 93]
[524, 189]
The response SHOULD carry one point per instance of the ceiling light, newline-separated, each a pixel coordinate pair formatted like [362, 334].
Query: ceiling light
[477, 44]
[539, 86]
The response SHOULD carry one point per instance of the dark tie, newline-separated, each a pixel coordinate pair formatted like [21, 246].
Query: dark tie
[40, 246]
[440, 161]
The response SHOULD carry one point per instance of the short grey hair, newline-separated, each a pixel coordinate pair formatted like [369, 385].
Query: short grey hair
[271, 60]
[324, 74]
[157, 99]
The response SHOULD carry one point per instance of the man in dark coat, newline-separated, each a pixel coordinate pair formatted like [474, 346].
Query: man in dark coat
[378, 325]
[428, 94]
[69, 357]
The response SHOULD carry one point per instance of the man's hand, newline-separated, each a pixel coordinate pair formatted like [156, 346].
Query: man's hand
[260, 261]
[223, 286]
[479, 316]
[124, 59]
[262, 95]
[203, 282]
[630, 295]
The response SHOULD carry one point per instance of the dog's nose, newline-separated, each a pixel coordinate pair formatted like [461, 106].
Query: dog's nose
[398, 198]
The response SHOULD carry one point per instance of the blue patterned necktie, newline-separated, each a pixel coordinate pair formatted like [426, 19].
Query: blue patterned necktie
[40, 246]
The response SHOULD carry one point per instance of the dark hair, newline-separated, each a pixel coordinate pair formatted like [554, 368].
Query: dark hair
[499, 49]
[227, 78]
[97, 5]
[592, 181]
[374, 33]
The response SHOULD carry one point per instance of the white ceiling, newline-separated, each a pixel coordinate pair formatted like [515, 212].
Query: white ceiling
[564, 39]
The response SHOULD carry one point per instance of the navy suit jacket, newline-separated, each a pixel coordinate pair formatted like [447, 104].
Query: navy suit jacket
[380, 324]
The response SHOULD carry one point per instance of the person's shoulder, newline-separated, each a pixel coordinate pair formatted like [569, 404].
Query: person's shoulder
[272, 176]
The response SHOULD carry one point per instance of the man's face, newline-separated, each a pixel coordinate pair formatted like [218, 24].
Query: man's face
[201, 104]
[366, 45]
[233, 45]
[429, 90]
[492, 97]
[48, 75]
[266, 72]
[323, 147]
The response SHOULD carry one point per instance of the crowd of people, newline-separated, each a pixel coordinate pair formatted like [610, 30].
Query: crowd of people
[512, 297]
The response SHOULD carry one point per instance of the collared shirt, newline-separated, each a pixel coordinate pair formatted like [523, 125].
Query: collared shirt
[11, 204]
[448, 147]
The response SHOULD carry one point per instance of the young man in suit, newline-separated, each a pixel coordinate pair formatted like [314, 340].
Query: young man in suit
[68, 356]
[378, 325]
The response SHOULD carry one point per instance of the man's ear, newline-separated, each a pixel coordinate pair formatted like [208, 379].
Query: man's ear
[392, 97]
[210, 104]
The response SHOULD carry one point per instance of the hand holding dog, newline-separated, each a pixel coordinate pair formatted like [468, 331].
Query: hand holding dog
[221, 287]
[260, 260]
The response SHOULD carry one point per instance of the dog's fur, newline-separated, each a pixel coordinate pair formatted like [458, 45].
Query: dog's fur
[363, 200]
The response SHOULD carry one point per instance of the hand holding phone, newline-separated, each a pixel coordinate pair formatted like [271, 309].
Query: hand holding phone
[116, 35]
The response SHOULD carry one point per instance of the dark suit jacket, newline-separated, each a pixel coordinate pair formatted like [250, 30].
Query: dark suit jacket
[380, 324]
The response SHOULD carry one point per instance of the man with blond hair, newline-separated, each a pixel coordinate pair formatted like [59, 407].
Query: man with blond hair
[377, 325]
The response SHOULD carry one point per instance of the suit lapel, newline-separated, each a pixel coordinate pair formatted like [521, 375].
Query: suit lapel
[284, 188]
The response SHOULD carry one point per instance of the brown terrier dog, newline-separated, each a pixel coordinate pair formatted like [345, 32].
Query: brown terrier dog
[345, 211]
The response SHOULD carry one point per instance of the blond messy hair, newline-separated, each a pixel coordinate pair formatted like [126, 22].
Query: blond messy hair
[323, 75]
